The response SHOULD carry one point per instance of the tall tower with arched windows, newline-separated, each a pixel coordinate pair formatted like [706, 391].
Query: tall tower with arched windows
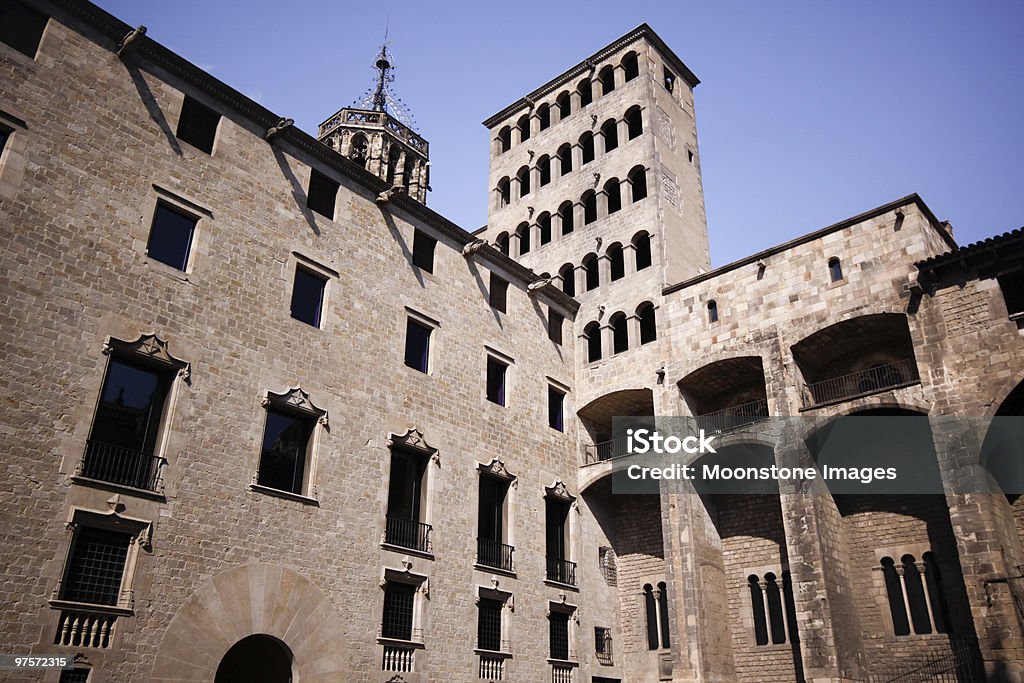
[377, 131]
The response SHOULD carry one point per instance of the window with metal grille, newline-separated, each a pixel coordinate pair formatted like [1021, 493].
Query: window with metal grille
[170, 237]
[95, 566]
[74, 676]
[21, 27]
[285, 444]
[423, 246]
[558, 635]
[602, 641]
[197, 125]
[398, 606]
[322, 194]
[488, 630]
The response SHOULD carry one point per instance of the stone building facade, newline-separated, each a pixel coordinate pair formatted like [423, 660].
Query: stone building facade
[269, 417]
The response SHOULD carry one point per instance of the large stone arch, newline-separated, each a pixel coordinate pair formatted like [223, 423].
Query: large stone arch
[260, 598]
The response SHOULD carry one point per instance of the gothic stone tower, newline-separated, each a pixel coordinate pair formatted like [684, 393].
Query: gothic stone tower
[377, 133]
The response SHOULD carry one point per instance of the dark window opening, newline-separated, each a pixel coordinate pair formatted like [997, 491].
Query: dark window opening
[607, 78]
[417, 345]
[95, 566]
[322, 194]
[523, 176]
[894, 593]
[589, 207]
[404, 522]
[74, 676]
[651, 612]
[712, 312]
[556, 409]
[613, 192]
[283, 456]
[21, 27]
[630, 66]
[308, 297]
[544, 223]
[564, 159]
[543, 117]
[544, 167]
[359, 151]
[496, 372]
[610, 133]
[556, 530]
[592, 271]
[564, 104]
[498, 294]
[504, 192]
[669, 80]
[568, 275]
[256, 658]
[920, 617]
[642, 247]
[663, 605]
[170, 237]
[620, 333]
[566, 218]
[558, 632]
[399, 599]
[502, 241]
[634, 123]
[523, 125]
[504, 139]
[835, 270]
[602, 641]
[1012, 285]
[488, 629]
[4, 135]
[492, 550]
[593, 335]
[523, 233]
[122, 443]
[423, 246]
[198, 125]
[586, 91]
[648, 327]
[555, 324]
[617, 262]
[638, 181]
[586, 148]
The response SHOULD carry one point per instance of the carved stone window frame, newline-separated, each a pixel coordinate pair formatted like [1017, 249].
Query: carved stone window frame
[508, 604]
[496, 469]
[296, 401]
[573, 612]
[413, 441]
[405, 575]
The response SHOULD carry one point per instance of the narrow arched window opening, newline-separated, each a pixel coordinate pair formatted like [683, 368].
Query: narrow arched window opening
[586, 92]
[648, 324]
[504, 139]
[523, 176]
[565, 217]
[638, 183]
[544, 117]
[610, 133]
[502, 242]
[607, 78]
[620, 332]
[504, 191]
[630, 67]
[651, 611]
[359, 149]
[523, 126]
[564, 104]
[586, 148]
[564, 159]
[712, 311]
[593, 335]
[544, 225]
[642, 250]
[835, 269]
[613, 194]
[568, 275]
[591, 269]
[544, 169]
[634, 123]
[589, 201]
[616, 262]
[523, 237]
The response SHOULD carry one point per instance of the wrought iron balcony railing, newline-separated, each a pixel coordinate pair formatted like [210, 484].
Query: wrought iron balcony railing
[407, 533]
[124, 466]
[562, 571]
[494, 554]
[606, 450]
[733, 417]
[873, 380]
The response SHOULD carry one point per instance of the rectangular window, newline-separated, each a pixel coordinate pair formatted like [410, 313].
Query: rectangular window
[556, 409]
[170, 237]
[122, 444]
[496, 373]
[498, 294]
[670, 80]
[21, 27]
[558, 631]
[74, 676]
[555, 324]
[602, 641]
[399, 599]
[556, 518]
[285, 448]
[417, 345]
[321, 194]
[423, 251]
[95, 566]
[308, 297]
[488, 629]
[492, 551]
[404, 524]
[198, 125]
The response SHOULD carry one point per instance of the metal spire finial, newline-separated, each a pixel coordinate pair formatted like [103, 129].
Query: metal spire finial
[380, 98]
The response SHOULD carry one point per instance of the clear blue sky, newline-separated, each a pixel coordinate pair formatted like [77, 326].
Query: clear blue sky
[808, 112]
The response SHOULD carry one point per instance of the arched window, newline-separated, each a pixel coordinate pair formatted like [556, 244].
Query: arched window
[523, 237]
[835, 269]
[568, 274]
[523, 126]
[712, 311]
[607, 78]
[616, 261]
[634, 122]
[504, 139]
[630, 66]
[504, 191]
[663, 614]
[757, 609]
[610, 133]
[544, 224]
[651, 612]
[936, 596]
[407, 172]
[916, 598]
[642, 250]
[501, 241]
[586, 148]
[592, 269]
[620, 332]
[544, 116]
[358, 150]
[565, 217]
[544, 169]
[593, 334]
[772, 609]
[638, 182]
[564, 159]
[394, 156]
[586, 92]
[564, 104]
[648, 326]
[523, 176]
[613, 194]
[589, 201]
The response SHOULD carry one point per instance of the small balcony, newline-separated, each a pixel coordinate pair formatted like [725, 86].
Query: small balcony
[492, 666]
[407, 533]
[562, 571]
[494, 554]
[398, 657]
[733, 417]
[122, 466]
[606, 450]
[885, 377]
[86, 627]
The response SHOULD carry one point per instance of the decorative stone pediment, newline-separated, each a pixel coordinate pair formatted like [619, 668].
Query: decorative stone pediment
[296, 399]
[150, 347]
[558, 490]
[412, 440]
[496, 468]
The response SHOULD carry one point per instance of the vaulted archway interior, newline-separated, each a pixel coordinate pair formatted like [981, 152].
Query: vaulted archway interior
[258, 658]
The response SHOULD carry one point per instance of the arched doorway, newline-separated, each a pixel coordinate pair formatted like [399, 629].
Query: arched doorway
[256, 659]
